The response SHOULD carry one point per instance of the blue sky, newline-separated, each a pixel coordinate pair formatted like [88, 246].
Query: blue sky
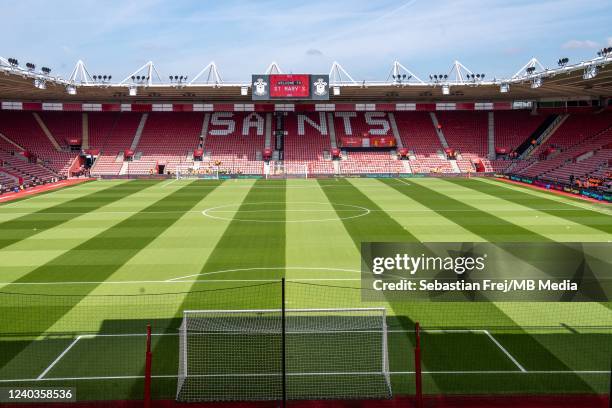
[243, 37]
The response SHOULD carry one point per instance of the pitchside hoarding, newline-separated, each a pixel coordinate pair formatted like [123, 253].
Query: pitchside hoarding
[290, 86]
[484, 271]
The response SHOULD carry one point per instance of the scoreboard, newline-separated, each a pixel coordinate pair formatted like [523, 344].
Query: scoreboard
[290, 86]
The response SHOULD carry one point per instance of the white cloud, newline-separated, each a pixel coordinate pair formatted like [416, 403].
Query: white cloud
[610, 41]
[579, 44]
[313, 51]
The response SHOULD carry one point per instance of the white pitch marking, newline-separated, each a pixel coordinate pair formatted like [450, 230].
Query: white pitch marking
[506, 352]
[403, 182]
[207, 212]
[63, 353]
[177, 282]
[278, 268]
[398, 210]
[134, 377]
[543, 194]
[170, 182]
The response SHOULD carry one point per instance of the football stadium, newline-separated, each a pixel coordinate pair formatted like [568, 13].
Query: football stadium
[306, 239]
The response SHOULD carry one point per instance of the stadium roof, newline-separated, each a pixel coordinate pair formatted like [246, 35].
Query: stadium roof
[590, 79]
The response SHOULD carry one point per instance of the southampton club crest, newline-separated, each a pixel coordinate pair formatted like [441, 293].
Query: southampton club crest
[260, 87]
[320, 87]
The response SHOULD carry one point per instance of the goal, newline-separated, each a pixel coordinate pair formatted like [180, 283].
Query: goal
[249, 355]
[287, 170]
[193, 172]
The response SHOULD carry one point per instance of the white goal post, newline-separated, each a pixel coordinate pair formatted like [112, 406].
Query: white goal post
[287, 170]
[237, 355]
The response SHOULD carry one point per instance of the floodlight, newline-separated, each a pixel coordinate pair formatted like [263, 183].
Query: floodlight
[40, 83]
[590, 72]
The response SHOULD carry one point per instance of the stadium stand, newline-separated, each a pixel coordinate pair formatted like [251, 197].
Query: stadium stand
[579, 160]
[466, 133]
[348, 124]
[234, 141]
[371, 162]
[64, 126]
[562, 154]
[513, 127]
[22, 128]
[306, 144]
[111, 133]
[233, 147]
[419, 136]
[168, 139]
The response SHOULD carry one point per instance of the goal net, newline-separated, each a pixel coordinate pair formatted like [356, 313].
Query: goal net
[288, 170]
[197, 172]
[242, 355]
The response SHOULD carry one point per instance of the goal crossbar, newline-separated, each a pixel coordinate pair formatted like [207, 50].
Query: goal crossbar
[354, 309]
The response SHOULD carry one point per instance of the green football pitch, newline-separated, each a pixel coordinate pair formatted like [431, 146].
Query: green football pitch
[84, 269]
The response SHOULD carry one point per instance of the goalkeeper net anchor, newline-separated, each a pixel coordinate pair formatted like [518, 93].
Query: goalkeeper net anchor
[147, 380]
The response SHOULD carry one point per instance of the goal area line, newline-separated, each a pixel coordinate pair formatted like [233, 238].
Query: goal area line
[476, 372]
[520, 370]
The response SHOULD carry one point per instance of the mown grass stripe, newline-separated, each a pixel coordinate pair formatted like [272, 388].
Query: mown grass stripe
[379, 226]
[95, 259]
[103, 254]
[256, 243]
[481, 223]
[489, 227]
[592, 219]
[243, 245]
[44, 193]
[28, 225]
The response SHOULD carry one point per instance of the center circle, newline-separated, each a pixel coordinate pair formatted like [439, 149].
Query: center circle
[265, 212]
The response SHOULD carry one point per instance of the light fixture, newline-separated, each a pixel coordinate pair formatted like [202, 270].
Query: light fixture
[40, 83]
[174, 78]
[590, 72]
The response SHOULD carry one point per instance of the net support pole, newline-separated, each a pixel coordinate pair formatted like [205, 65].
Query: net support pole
[147, 379]
[283, 345]
[417, 367]
[610, 391]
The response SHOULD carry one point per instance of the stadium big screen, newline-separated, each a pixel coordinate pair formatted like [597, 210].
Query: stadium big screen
[290, 86]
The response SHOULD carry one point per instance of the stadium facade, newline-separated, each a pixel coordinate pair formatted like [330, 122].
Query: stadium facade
[551, 127]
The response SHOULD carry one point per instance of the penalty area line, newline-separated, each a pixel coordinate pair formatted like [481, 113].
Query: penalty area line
[506, 352]
[58, 358]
